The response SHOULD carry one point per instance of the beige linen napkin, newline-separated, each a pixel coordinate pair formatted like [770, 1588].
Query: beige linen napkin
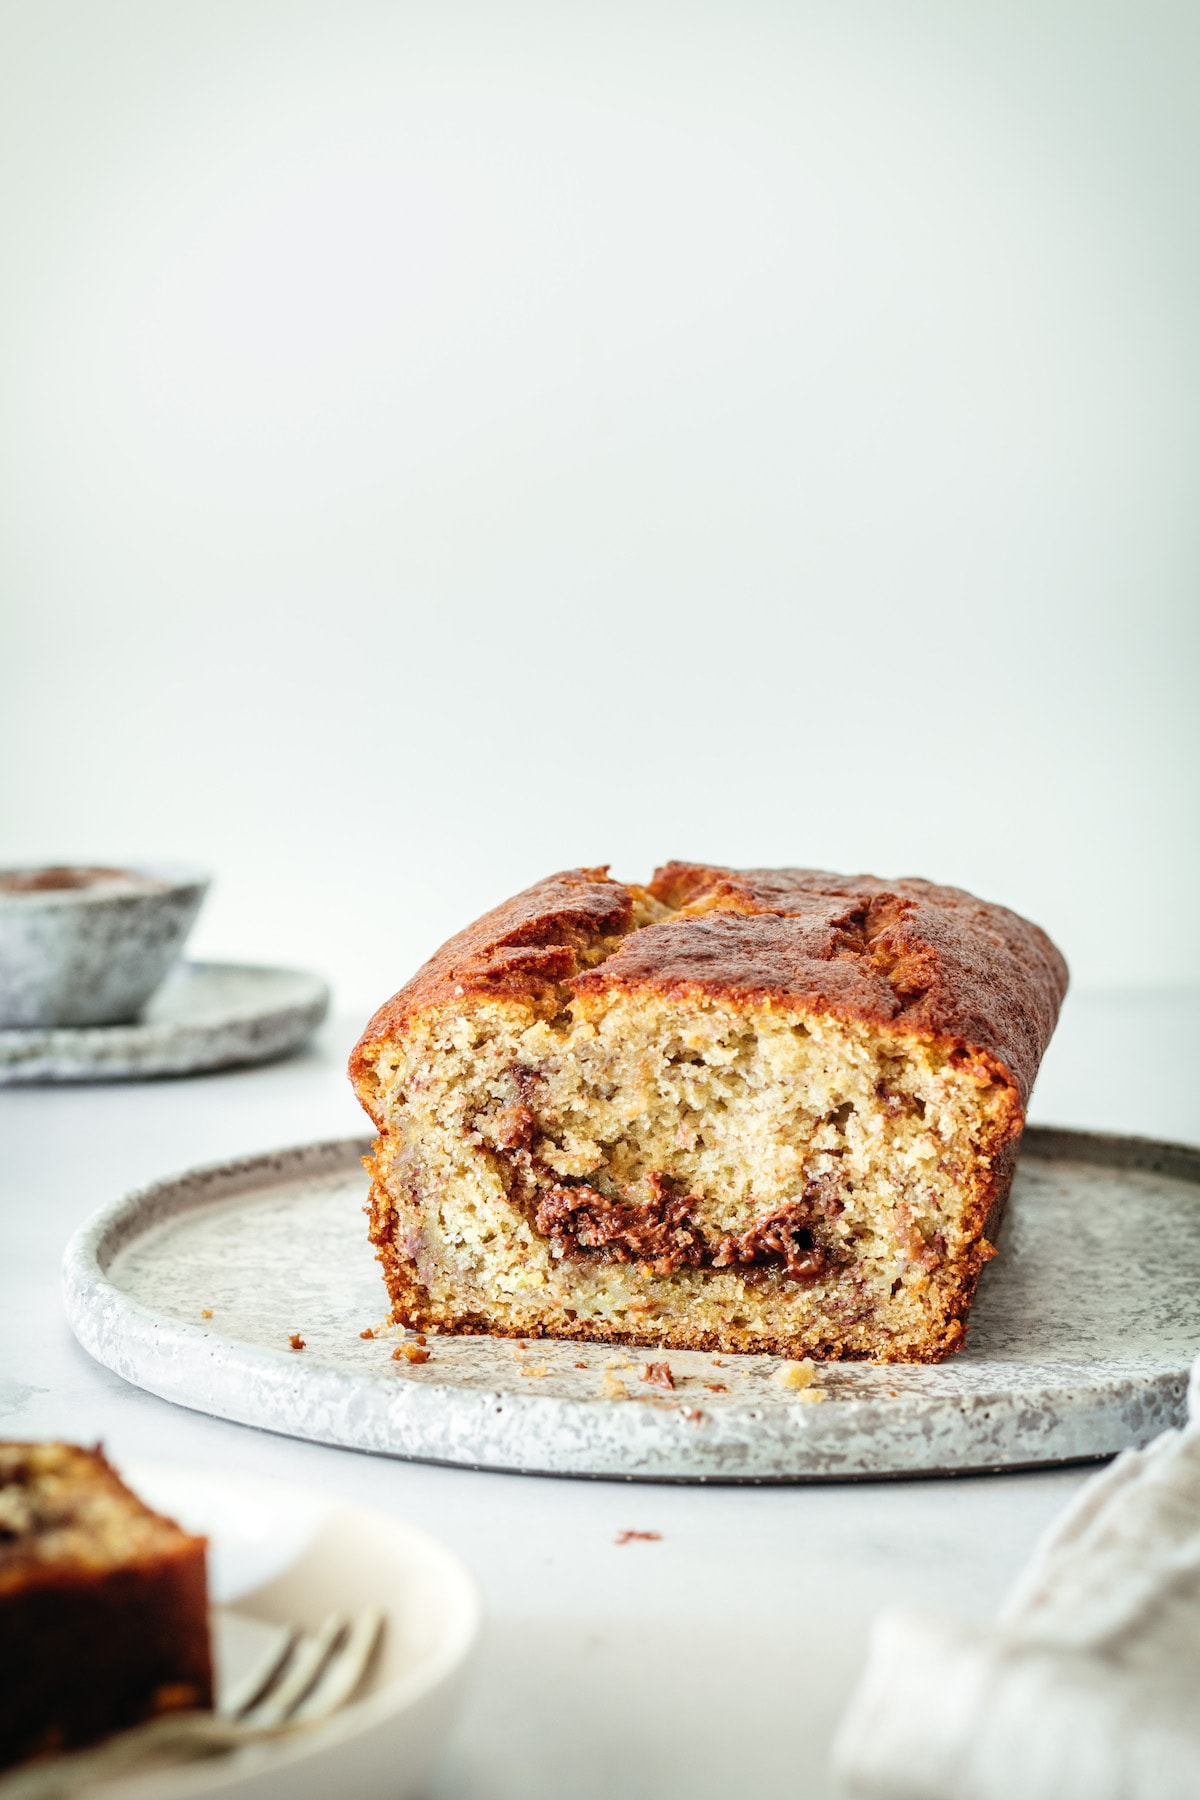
[1087, 1687]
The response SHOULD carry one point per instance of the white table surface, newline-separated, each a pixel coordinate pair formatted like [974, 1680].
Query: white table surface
[712, 1663]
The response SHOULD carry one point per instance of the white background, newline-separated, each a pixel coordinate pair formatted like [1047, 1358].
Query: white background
[440, 444]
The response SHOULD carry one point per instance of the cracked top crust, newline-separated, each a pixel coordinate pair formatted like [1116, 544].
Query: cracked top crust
[904, 955]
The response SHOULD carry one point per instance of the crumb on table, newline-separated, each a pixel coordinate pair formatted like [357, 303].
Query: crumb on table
[638, 1537]
[368, 1333]
[296, 1341]
[413, 1353]
[206, 1312]
[612, 1389]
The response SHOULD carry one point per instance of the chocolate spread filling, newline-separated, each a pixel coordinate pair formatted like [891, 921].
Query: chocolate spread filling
[585, 1224]
[660, 1231]
[784, 1234]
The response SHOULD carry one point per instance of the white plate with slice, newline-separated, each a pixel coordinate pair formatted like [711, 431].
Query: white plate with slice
[281, 1555]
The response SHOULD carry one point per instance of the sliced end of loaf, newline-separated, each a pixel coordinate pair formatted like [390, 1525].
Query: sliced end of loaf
[684, 1170]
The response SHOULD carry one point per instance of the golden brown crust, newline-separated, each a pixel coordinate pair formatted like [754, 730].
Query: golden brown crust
[930, 961]
[525, 949]
[923, 960]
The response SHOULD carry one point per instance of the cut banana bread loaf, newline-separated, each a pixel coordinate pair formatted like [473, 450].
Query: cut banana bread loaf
[768, 1109]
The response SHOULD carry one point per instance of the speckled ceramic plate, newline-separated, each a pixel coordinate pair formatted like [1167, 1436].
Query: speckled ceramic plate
[1081, 1336]
[205, 1016]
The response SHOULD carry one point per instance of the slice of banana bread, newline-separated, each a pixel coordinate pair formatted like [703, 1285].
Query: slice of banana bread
[103, 1604]
[769, 1109]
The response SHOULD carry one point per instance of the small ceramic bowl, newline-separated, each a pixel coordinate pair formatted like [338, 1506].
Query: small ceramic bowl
[88, 946]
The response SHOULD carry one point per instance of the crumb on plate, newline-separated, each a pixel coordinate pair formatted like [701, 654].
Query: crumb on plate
[658, 1374]
[795, 1375]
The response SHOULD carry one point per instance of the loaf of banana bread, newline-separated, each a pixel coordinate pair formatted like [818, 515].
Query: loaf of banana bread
[103, 1604]
[768, 1109]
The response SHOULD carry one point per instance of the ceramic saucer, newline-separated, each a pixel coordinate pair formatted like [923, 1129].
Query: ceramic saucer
[205, 1016]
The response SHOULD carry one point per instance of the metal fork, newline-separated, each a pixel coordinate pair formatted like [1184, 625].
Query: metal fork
[298, 1682]
[302, 1680]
